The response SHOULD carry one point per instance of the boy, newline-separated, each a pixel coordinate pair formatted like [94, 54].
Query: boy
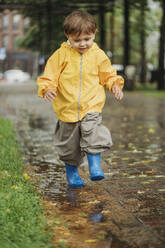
[74, 80]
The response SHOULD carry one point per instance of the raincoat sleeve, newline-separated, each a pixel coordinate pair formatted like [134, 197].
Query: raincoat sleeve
[108, 75]
[50, 78]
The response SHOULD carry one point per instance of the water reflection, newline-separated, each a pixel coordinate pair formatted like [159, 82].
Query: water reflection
[72, 195]
[96, 217]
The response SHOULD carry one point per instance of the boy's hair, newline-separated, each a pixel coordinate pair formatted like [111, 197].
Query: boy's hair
[79, 22]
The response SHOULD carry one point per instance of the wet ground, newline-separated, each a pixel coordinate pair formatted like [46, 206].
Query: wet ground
[127, 208]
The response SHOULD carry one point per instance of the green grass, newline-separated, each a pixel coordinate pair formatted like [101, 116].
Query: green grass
[158, 94]
[145, 87]
[22, 223]
[149, 89]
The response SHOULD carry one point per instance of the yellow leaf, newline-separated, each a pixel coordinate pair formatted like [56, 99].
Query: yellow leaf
[150, 172]
[62, 241]
[26, 176]
[145, 182]
[83, 214]
[67, 234]
[113, 163]
[90, 240]
[147, 161]
[151, 130]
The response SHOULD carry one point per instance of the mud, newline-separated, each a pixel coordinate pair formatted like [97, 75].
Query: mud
[126, 209]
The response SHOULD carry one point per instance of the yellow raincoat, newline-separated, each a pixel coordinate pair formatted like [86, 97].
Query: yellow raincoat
[79, 80]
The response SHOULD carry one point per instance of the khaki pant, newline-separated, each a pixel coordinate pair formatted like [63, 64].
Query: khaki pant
[73, 140]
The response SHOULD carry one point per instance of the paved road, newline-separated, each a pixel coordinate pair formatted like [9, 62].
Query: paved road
[127, 209]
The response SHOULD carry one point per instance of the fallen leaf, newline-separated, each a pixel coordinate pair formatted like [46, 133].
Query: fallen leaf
[145, 182]
[67, 234]
[147, 161]
[83, 214]
[142, 175]
[136, 151]
[131, 177]
[94, 202]
[159, 176]
[150, 172]
[140, 192]
[151, 130]
[90, 240]
[106, 212]
[26, 176]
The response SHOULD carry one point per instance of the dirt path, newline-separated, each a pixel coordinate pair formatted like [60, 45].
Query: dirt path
[127, 209]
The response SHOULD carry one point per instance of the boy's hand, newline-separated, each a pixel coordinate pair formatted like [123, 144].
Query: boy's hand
[117, 91]
[49, 95]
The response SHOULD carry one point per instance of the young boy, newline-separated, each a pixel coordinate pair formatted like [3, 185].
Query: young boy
[74, 80]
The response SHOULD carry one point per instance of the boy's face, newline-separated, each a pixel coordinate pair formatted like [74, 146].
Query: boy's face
[82, 42]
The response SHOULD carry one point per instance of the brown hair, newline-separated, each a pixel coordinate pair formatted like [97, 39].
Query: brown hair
[79, 22]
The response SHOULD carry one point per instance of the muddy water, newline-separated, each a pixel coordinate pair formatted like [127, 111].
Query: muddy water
[124, 210]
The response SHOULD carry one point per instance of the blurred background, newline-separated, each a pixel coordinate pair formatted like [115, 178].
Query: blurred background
[131, 32]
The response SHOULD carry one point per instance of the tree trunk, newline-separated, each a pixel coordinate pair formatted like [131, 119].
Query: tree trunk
[102, 24]
[161, 69]
[48, 28]
[112, 36]
[143, 71]
[39, 20]
[126, 57]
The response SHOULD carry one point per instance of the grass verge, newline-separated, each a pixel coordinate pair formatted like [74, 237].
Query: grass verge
[22, 224]
[158, 94]
[149, 89]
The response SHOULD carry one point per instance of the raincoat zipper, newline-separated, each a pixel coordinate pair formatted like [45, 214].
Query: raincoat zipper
[81, 63]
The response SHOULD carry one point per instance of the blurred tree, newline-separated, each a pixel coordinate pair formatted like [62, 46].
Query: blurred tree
[112, 32]
[126, 55]
[143, 28]
[45, 33]
[101, 11]
[161, 69]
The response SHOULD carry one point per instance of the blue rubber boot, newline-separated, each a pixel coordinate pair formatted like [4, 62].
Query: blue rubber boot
[73, 177]
[95, 167]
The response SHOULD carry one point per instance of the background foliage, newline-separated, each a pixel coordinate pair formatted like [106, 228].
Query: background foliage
[132, 30]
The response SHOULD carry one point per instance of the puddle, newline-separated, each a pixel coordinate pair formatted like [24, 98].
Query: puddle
[52, 180]
[82, 213]
[96, 217]
[38, 122]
